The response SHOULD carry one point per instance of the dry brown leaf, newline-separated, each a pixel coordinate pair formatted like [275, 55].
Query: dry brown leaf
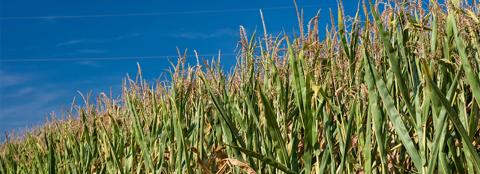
[238, 163]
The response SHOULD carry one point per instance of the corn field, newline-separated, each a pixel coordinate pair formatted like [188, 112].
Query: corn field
[394, 89]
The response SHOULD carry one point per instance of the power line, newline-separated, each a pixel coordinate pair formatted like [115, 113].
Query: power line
[148, 14]
[76, 59]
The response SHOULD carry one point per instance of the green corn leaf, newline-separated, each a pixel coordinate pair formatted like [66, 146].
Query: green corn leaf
[395, 117]
[453, 116]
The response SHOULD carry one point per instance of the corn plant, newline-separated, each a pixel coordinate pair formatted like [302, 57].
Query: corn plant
[393, 90]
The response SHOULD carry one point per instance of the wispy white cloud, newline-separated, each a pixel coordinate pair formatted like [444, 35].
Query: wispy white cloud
[127, 36]
[24, 97]
[19, 92]
[89, 63]
[91, 51]
[38, 97]
[49, 19]
[12, 79]
[225, 32]
[97, 40]
[71, 42]
[38, 104]
[28, 100]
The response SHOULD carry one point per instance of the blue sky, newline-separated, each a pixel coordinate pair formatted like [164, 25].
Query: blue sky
[49, 49]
